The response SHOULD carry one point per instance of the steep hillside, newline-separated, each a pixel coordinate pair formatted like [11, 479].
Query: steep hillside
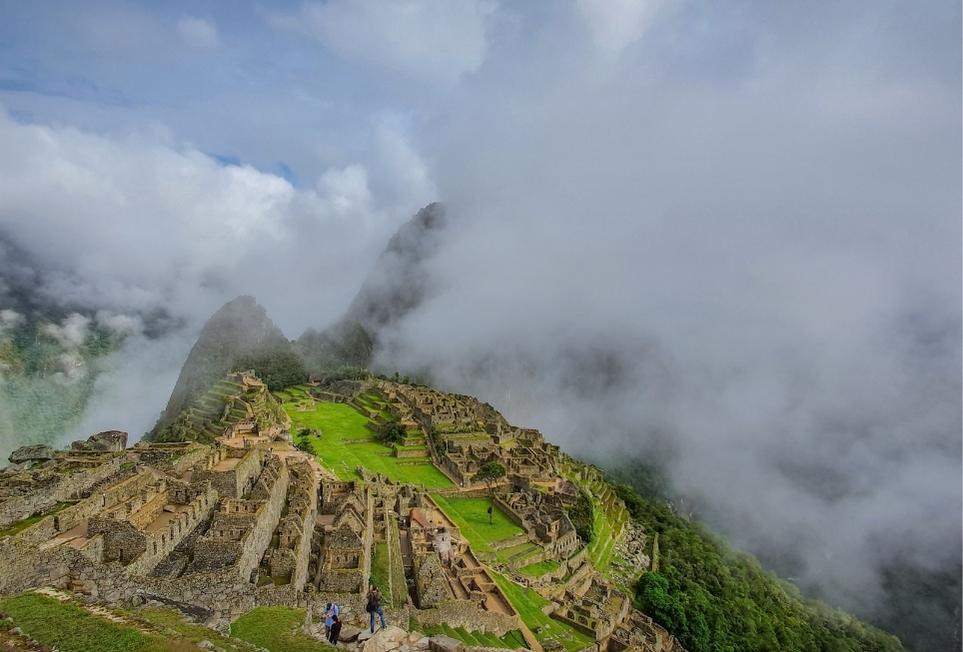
[237, 401]
[397, 284]
[241, 328]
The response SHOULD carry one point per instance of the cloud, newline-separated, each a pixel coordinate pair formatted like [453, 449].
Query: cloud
[197, 32]
[751, 276]
[133, 227]
[616, 24]
[430, 40]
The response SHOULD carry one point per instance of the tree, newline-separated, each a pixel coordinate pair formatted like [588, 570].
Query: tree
[278, 368]
[392, 432]
[490, 473]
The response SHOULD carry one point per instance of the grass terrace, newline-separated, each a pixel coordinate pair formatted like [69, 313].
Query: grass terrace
[529, 605]
[471, 517]
[539, 568]
[511, 641]
[346, 442]
[277, 629]
[71, 628]
[171, 624]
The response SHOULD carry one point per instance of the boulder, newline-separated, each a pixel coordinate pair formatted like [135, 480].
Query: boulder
[349, 633]
[34, 452]
[445, 644]
[386, 640]
[113, 441]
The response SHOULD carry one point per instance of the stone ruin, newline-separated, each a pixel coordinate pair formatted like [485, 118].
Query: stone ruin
[246, 519]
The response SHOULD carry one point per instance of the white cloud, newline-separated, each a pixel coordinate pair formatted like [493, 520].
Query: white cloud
[197, 32]
[432, 40]
[616, 24]
[71, 333]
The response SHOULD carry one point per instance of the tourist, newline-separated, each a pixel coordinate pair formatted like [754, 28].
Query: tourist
[374, 607]
[331, 611]
[335, 630]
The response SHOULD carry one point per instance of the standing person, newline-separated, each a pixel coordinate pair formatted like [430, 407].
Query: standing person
[335, 630]
[374, 607]
[331, 611]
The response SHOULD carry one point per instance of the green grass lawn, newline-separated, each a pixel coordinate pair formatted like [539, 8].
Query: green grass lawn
[380, 571]
[529, 606]
[71, 628]
[173, 622]
[277, 629]
[471, 517]
[338, 422]
[539, 568]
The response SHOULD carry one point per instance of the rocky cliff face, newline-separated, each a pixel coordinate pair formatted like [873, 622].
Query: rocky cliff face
[240, 328]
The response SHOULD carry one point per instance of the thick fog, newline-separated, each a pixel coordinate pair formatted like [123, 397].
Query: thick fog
[722, 236]
[743, 260]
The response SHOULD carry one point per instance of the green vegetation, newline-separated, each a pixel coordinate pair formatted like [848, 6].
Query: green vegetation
[344, 345]
[582, 516]
[471, 517]
[278, 368]
[391, 433]
[171, 624]
[540, 568]
[344, 442]
[277, 629]
[38, 401]
[529, 606]
[512, 640]
[380, 571]
[71, 628]
[713, 598]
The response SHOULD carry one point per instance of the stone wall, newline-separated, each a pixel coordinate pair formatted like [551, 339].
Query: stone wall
[71, 486]
[468, 615]
[162, 543]
[267, 519]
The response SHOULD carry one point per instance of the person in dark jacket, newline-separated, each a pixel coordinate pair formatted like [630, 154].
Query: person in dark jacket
[335, 630]
[374, 607]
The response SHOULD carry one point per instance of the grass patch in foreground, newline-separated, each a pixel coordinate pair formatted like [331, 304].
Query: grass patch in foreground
[471, 517]
[277, 629]
[71, 628]
[338, 422]
[171, 619]
[529, 606]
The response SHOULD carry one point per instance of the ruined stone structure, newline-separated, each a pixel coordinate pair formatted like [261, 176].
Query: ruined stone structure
[244, 519]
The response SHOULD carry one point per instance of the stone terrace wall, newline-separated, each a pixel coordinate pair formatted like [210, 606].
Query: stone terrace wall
[257, 540]
[71, 486]
[468, 615]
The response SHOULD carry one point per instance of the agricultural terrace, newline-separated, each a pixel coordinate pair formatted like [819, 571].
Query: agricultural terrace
[346, 442]
[512, 640]
[547, 630]
[471, 517]
[539, 568]
[608, 524]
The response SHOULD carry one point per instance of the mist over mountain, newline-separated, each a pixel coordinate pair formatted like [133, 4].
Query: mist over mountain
[239, 328]
[717, 241]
